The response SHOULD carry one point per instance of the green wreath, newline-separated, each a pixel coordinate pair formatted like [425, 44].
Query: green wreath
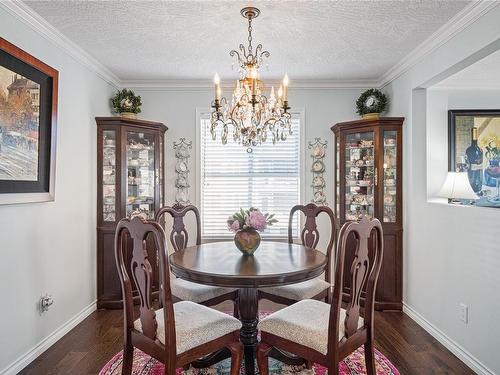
[371, 101]
[126, 101]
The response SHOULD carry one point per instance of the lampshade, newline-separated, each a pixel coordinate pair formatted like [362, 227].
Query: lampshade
[457, 186]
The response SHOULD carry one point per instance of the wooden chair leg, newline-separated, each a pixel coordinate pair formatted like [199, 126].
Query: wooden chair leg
[370, 359]
[263, 358]
[333, 369]
[236, 357]
[169, 368]
[236, 308]
[128, 359]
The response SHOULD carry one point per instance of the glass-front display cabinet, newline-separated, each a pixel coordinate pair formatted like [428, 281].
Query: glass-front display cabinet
[130, 177]
[368, 182]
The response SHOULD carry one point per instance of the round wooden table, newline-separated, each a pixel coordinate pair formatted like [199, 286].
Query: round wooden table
[273, 264]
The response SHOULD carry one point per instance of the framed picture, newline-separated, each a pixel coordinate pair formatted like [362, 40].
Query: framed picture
[474, 147]
[28, 116]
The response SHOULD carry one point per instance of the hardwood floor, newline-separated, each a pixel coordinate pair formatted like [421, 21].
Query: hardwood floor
[92, 343]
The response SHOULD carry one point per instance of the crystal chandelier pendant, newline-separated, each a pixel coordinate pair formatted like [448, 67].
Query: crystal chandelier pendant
[251, 116]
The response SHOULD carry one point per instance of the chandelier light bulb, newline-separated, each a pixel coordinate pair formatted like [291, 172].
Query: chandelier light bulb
[280, 92]
[253, 73]
[285, 87]
[216, 79]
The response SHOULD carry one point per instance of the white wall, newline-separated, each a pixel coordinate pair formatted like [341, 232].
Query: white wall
[451, 253]
[50, 247]
[177, 109]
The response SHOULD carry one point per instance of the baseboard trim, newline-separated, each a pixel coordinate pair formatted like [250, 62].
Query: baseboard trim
[47, 342]
[449, 343]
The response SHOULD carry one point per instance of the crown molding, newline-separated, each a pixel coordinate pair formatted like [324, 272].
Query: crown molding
[32, 19]
[203, 85]
[459, 22]
[468, 85]
[454, 26]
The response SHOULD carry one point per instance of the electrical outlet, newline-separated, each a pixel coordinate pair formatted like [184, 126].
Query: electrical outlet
[45, 302]
[464, 312]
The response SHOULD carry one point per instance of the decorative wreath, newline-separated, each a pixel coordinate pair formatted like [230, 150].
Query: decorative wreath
[371, 101]
[126, 101]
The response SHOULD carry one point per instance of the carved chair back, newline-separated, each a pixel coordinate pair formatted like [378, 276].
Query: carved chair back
[309, 235]
[363, 274]
[137, 267]
[179, 235]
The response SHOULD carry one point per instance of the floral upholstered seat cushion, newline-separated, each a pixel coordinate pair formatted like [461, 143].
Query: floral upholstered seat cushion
[299, 291]
[305, 322]
[195, 325]
[198, 293]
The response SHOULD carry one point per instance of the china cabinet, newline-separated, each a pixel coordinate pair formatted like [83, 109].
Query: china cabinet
[368, 181]
[130, 181]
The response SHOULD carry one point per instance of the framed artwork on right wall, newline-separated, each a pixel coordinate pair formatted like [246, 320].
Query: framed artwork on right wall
[474, 147]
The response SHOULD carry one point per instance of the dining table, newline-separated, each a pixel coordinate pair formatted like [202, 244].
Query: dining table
[272, 264]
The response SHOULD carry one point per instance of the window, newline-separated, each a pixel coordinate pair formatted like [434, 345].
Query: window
[267, 178]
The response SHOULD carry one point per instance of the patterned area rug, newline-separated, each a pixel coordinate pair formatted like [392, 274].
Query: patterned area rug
[352, 365]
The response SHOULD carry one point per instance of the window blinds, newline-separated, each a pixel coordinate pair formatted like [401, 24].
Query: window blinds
[267, 178]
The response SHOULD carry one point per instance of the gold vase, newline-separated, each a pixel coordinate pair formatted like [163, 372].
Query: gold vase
[247, 240]
[371, 116]
[131, 115]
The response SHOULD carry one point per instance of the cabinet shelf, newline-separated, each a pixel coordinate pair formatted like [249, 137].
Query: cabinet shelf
[359, 148]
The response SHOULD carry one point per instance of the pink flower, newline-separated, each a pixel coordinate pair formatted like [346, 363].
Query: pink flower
[235, 226]
[256, 220]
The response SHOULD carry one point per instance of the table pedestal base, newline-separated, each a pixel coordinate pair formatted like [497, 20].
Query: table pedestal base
[248, 309]
[212, 358]
[249, 306]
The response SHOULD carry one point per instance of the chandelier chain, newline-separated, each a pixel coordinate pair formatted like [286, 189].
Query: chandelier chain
[250, 36]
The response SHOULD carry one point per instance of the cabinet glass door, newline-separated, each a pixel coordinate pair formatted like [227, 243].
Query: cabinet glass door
[359, 175]
[140, 150]
[109, 176]
[390, 176]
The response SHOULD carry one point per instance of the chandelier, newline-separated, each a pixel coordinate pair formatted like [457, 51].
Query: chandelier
[251, 115]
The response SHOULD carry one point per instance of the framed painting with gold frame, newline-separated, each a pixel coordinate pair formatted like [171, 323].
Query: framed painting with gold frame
[28, 116]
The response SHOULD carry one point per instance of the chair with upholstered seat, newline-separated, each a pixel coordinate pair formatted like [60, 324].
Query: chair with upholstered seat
[177, 333]
[324, 333]
[317, 288]
[184, 290]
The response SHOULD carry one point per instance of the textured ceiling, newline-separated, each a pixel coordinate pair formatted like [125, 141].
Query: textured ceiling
[485, 73]
[342, 40]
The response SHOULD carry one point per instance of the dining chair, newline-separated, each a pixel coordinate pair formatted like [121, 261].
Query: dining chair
[177, 333]
[317, 288]
[326, 333]
[184, 290]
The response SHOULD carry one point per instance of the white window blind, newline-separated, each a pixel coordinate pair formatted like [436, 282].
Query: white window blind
[267, 178]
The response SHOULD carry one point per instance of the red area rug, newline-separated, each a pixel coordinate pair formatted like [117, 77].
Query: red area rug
[352, 365]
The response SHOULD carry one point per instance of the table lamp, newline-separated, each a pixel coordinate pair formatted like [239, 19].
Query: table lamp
[457, 187]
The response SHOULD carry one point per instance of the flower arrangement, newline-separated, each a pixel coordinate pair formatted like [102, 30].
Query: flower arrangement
[250, 219]
[125, 101]
[246, 225]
